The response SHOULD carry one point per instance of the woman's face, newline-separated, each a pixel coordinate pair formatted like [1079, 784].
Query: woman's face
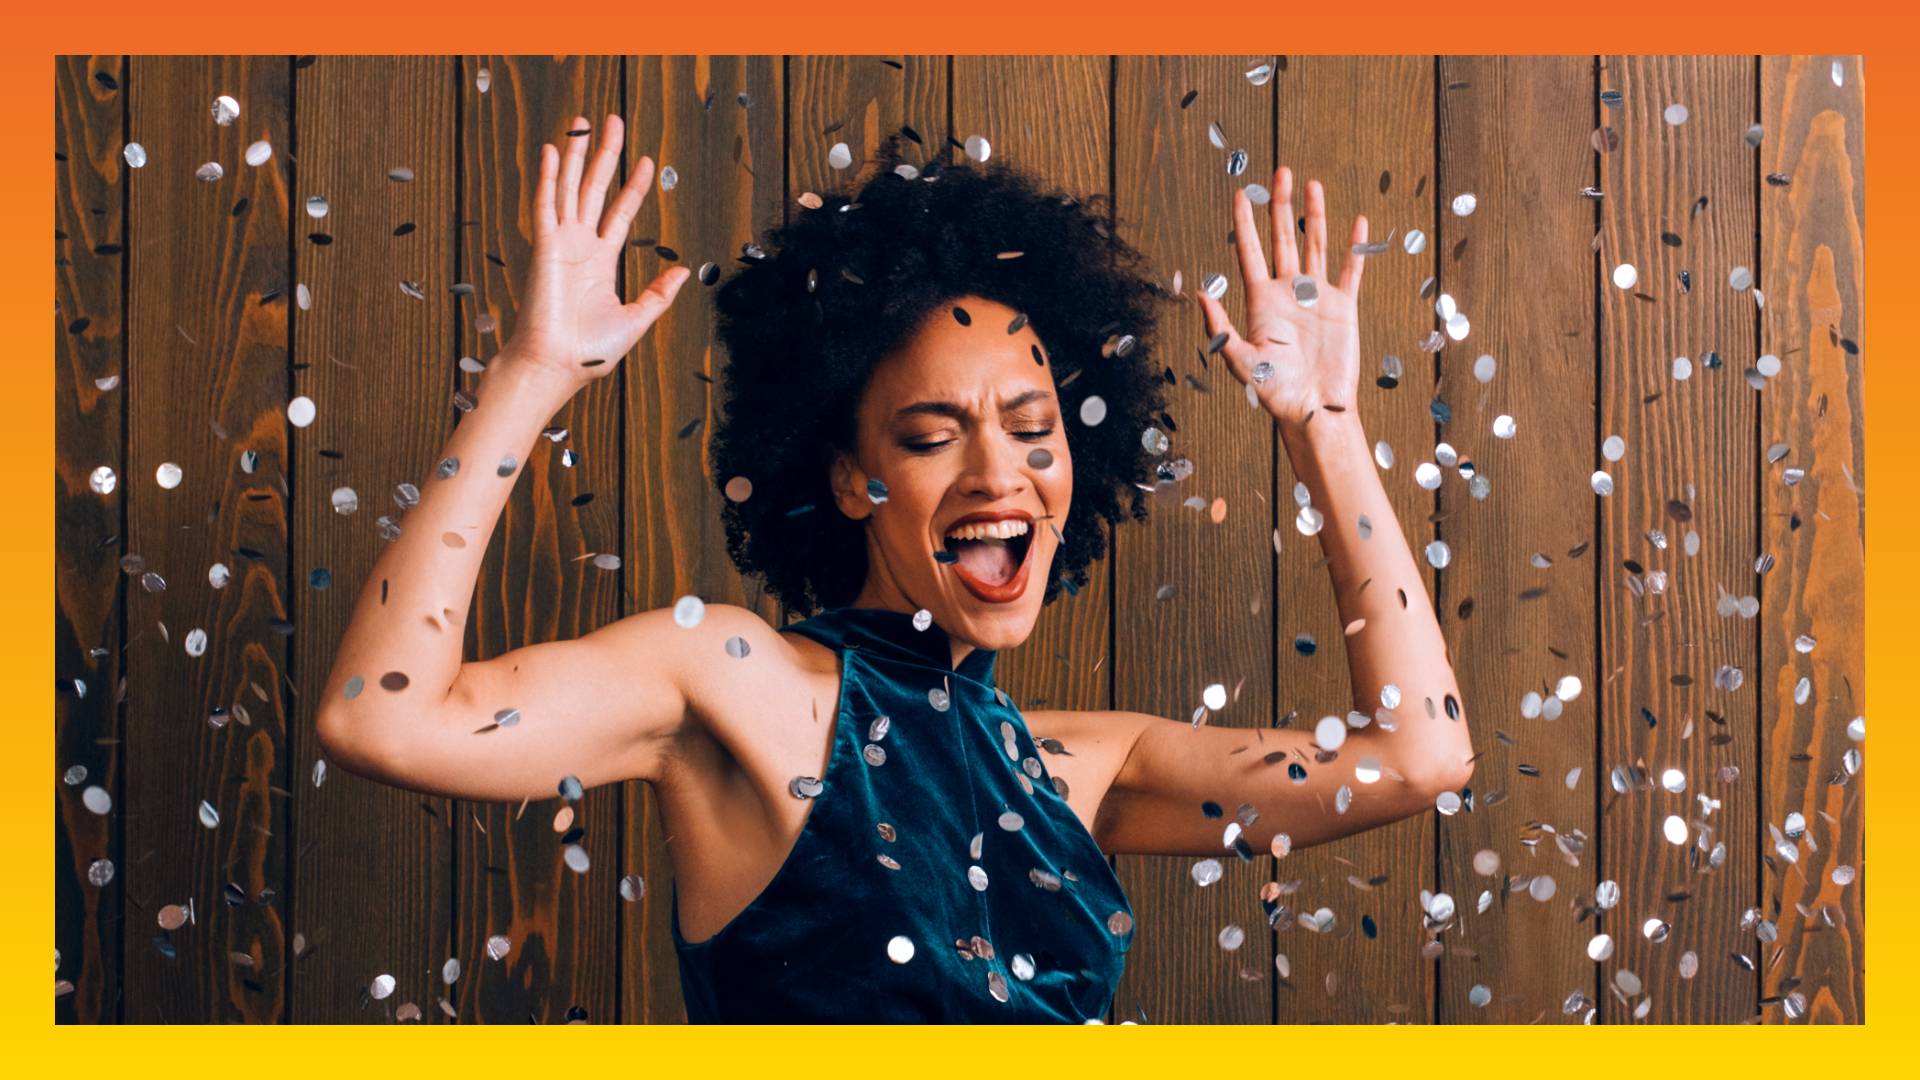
[964, 429]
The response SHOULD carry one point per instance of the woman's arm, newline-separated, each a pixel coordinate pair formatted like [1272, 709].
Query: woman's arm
[1302, 365]
[399, 705]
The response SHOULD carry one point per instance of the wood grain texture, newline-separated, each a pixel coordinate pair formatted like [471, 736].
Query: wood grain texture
[89, 204]
[1813, 270]
[719, 123]
[1514, 133]
[860, 100]
[1344, 122]
[207, 325]
[377, 361]
[1047, 114]
[1174, 200]
[538, 582]
[1689, 466]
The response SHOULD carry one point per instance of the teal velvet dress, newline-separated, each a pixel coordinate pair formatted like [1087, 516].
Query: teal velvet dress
[940, 876]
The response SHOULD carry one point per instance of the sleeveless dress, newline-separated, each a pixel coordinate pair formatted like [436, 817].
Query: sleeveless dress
[939, 876]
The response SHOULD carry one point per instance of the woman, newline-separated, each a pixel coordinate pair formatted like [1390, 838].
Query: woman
[937, 391]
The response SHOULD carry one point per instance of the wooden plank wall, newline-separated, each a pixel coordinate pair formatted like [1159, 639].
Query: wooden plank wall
[1711, 606]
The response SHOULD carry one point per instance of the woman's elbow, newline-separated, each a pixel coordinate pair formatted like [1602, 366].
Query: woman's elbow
[350, 743]
[1449, 771]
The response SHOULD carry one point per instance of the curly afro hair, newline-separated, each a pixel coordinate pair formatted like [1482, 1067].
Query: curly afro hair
[830, 294]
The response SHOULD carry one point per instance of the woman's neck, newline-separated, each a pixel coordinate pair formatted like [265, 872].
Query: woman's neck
[885, 596]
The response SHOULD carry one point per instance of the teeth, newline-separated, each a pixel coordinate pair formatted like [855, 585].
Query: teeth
[989, 530]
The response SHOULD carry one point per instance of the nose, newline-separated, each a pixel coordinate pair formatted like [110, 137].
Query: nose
[993, 468]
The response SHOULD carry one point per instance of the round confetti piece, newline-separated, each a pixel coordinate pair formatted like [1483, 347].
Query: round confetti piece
[1093, 410]
[300, 411]
[900, 949]
[1330, 733]
[688, 611]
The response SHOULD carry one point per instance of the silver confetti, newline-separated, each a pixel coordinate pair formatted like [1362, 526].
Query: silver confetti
[688, 611]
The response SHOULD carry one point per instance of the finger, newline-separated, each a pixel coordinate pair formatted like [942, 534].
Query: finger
[1315, 263]
[570, 173]
[1355, 263]
[1246, 239]
[632, 195]
[1286, 249]
[1239, 354]
[654, 300]
[605, 164]
[544, 215]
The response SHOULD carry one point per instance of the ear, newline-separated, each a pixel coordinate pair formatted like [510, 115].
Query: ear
[850, 487]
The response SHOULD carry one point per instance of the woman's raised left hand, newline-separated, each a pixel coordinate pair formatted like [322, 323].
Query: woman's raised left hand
[1302, 351]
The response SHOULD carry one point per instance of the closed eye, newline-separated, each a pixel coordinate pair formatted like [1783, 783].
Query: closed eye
[926, 447]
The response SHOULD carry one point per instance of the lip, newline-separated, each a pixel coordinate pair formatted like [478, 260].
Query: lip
[1015, 586]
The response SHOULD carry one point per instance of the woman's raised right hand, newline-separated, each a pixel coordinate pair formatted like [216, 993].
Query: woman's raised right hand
[574, 322]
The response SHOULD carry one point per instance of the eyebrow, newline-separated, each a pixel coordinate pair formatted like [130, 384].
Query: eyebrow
[957, 412]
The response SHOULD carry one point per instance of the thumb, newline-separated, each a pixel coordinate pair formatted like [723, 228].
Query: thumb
[1240, 355]
[654, 300]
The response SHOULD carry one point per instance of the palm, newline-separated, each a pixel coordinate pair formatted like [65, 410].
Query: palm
[574, 313]
[1302, 348]
[574, 320]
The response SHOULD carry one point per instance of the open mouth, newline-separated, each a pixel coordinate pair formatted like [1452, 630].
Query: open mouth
[990, 557]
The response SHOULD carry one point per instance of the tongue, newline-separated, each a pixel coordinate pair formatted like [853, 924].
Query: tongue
[987, 561]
